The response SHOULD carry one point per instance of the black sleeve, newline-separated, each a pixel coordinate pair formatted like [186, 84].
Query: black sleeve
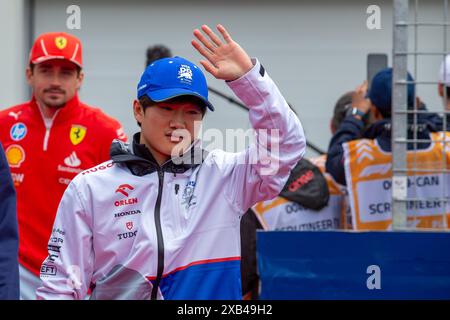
[350, 129]
[9, 239]
[249, 274]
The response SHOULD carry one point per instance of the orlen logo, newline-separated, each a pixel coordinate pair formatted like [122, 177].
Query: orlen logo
[123, 188]
[301, 181]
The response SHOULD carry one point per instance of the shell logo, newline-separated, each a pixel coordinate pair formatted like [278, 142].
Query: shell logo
[15, 155]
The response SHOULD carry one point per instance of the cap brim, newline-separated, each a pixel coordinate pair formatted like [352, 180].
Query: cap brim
[166, 94]
[47, 58]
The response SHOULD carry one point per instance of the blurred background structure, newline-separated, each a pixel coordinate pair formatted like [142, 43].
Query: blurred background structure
[314, 50]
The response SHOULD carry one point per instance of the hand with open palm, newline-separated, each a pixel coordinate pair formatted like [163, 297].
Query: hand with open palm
[225, 60]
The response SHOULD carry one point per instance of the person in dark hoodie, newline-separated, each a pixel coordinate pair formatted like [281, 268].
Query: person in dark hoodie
[375, 106]
[9, 238]
[361, 158]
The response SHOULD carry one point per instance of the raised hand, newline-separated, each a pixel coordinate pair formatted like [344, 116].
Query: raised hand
[359, 100]
[225, 60]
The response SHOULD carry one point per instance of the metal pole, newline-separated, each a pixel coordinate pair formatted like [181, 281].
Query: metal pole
[444, 157]
[399, 120]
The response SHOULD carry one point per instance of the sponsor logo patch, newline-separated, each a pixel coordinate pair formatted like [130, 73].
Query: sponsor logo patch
[17, 178]
[98, 168]
[77, 134]
[185, 74]
[48, 270]
[72, 160]
[122, 189]
[127, 235]
[60, 42]
[18, 131]
[188, 197]
[129, 225]
[126, 213]
[15, 115]
[15, 155]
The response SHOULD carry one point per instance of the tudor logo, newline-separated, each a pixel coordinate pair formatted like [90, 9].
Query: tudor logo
[127, 235]
[129, 225]
[124, 187]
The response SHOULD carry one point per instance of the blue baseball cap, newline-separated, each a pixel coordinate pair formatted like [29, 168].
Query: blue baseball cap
[169, 78]
[380, 92]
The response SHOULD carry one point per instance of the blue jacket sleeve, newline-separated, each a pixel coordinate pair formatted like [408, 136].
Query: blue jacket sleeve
[350, 129]
[9, 239]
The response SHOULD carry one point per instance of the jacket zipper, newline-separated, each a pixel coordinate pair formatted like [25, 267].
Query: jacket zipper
[47, 135]
[159, 236]
[48, 126]
[47, 131]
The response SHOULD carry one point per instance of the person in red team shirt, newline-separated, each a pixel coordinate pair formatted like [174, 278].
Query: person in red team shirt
[47, 141]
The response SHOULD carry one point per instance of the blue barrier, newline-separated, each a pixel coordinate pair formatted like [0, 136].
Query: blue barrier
[354, 265]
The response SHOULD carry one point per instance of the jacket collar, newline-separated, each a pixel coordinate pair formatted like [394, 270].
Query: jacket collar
[138, 158]
[65, 113]
[382, 130]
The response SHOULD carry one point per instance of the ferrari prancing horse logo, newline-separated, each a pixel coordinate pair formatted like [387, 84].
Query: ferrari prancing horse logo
[60, 42]
[77, 134]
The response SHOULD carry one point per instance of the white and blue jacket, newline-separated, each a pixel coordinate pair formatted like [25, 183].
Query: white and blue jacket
[131, 229]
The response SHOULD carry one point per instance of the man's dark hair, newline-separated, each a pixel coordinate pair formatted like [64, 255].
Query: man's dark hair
[157, 52]
[340, 109]
[32, 65]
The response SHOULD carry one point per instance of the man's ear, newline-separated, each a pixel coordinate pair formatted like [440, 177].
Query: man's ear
[441, 89]
[29, 75]
[332, 128]
[375, 112]
[80, 79]
[418, 102]
[138, 111]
